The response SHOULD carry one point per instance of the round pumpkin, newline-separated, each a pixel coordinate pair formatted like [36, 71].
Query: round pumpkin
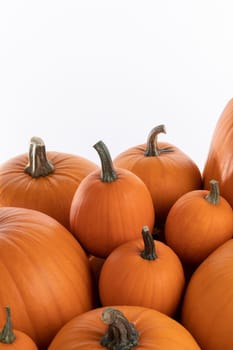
[45, 274]
[109, 207]
[166, 170]
[198, 223]
[219, 161]
[207, 310]
[121, 328]
[13, 339]
[148, 274]
[44, 181]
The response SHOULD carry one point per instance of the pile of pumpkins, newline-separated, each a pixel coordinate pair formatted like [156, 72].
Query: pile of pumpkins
[133, 253]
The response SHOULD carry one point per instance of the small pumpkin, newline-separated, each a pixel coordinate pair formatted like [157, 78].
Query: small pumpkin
[198, 223]
[123, 328]
[45, 273]
[165, 169]
[109, 207]
[148, 274]
[207, 309]
[13, 339]
[44, 181]
[219, 161]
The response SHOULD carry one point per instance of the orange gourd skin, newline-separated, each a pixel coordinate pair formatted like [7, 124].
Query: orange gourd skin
[156, 284]
[22, 342]
[45, 273]
[194, 227]
[156, 331]
[207, 310]
[219, 162]
[104, 215]
[167, 176]
[51, 194]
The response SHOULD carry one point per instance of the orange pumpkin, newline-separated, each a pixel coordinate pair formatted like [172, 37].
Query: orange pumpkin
[198, 223]
[123, 327]
[207, 310]
[148, 274]
[45, 274]
[13, 339]
[219, 162]
[110, 207]
[165, 169]
[44, 181]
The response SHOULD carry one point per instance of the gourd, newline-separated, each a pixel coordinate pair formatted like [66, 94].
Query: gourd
[109, 207]
[44, 181]
[166, 170]
[148, 274]
[123, 328]
[45, 274]
[198, 223]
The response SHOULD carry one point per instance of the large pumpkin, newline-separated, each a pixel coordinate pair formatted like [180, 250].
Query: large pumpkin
[219, 162]
[44, 181]
[45, 274]
[148, 272]
[207, 310]
[110, 207]
[198, 223]
[166, 170]
[123, 328]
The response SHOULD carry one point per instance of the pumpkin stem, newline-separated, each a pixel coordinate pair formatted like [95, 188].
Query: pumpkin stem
[7, 335]
[149, 252]
[38, 164]
[121, 334]
[152, 148]
[108, 172]
[213, 197]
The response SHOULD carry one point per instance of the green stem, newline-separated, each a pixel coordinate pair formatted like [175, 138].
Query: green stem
[7, 335]
[121, 334]
[38, 164]
[149, 252]
[213, 197]
[108, 172]
[152, 148]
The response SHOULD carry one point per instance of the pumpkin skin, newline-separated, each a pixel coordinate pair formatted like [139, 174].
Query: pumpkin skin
[195, 226]
[154, 282]
[165, 169]
[106, 213]
[46, 274]
[219, 162]
[50, 193]
[207, 310]
[156, 331]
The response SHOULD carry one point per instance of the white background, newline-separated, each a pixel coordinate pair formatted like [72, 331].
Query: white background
[75, 72]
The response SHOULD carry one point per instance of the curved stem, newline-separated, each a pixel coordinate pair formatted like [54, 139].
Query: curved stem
[213, 197]
[152, 148]
[121, 334]
[38, 164]
[149, 252]
[7, 335]
[108, 171]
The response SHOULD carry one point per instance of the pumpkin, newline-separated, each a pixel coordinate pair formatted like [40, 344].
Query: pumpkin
[109, 207]
[148, 274]
[45, 274]
[44, 181]
[123, 328]
[207, 310]
[13, 339]
[166, 170]
[198, 223]
[219, 162]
